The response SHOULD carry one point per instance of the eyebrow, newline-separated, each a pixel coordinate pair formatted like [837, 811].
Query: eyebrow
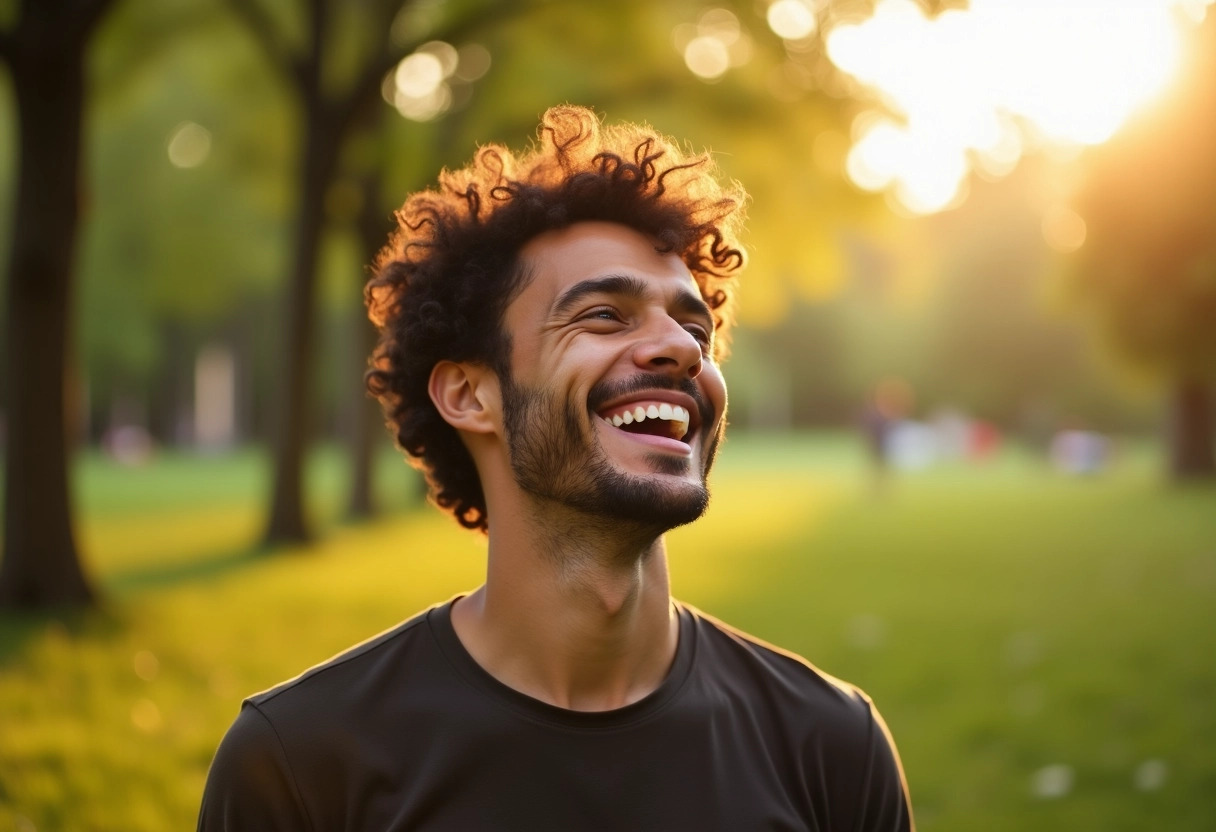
[627, 286]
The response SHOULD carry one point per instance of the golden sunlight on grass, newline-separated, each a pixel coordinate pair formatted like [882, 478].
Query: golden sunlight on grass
[716, 557]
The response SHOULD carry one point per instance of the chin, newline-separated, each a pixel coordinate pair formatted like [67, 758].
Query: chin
[653, 501]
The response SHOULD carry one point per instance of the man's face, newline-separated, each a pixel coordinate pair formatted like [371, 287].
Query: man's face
[614, 405]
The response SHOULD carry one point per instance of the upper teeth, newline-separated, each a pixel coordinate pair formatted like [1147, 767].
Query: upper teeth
[666, 412]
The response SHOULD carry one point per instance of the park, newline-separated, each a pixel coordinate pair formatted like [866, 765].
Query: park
[970, 459]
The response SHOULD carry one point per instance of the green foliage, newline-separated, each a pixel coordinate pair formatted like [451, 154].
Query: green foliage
[1005, 619]
[170, 245]
[1147, 272]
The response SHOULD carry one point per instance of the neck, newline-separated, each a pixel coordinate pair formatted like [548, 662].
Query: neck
[575, 611]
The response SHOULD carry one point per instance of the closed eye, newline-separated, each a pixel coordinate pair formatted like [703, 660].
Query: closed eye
[704, 337]
[602, 313]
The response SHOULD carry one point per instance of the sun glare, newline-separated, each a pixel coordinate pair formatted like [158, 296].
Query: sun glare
[971, 90]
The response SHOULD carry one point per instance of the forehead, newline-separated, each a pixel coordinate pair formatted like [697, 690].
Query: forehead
[557, 260]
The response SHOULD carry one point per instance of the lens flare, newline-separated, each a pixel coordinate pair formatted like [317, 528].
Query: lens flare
[970, 90]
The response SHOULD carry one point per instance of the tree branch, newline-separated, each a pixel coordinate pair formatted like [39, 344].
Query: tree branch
[260, 25]
[89, 14]
[311, 67]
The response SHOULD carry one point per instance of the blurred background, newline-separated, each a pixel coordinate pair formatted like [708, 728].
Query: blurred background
[970, 466]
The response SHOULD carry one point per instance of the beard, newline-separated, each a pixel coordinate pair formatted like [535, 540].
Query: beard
[555, 458]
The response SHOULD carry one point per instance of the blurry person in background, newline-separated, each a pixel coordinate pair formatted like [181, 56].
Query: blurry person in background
[551, 329]
[888, 405]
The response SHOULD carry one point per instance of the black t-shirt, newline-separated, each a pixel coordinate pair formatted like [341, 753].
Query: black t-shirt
[407, 732]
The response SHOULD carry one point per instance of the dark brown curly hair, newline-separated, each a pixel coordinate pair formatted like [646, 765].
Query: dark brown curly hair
[441, 285]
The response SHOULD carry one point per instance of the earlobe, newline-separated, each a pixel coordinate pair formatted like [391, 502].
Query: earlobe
[465, 395]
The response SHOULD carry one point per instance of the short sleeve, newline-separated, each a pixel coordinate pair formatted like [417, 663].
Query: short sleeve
[884, 805]
[249, 786]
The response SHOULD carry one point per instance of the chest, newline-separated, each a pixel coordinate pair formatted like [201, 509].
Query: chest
[703, 767]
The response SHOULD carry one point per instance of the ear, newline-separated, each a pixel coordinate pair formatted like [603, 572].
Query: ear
[466, 395]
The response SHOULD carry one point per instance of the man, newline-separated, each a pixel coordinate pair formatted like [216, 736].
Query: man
[550, 326]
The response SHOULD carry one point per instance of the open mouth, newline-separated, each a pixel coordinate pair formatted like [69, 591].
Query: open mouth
[649, 418]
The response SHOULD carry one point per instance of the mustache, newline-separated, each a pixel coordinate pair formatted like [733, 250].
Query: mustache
[608, 390]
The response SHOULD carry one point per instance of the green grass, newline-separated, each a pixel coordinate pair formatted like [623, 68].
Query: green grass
[1005, 619]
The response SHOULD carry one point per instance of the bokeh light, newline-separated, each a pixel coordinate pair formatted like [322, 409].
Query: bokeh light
[473, 61]
[189, 145]
[1052, 782]
[1063, 73]
[146, 716]
[1150, 775]
[419, 74]
[712, 46]
[791, 19]
[706, 57]
[146, 665]
[1063, 229]
[420, 87]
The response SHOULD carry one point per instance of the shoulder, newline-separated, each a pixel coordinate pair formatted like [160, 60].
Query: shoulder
[331, 683]
[777, 673]
[827, 718]
[250, 784]
[279, 766]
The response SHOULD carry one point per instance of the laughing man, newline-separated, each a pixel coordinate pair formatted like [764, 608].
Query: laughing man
[551, 326]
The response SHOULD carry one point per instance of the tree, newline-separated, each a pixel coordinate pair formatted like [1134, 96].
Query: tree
[337, 72]
[44, 51]
[1147, 270]
[373, 226]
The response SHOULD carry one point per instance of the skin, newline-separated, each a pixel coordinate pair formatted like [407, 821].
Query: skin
[576, 609]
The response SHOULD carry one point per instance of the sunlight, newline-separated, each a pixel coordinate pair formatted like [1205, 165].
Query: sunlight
[925, 167]
[1063, 229]
[972, 90]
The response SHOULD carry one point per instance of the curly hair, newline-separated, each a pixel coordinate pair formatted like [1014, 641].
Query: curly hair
[440, 287]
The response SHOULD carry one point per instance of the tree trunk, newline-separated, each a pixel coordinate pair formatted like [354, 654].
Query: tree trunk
[367, 422]
[366, 425]
[41, 565]
[1191, 446]
[287, 522]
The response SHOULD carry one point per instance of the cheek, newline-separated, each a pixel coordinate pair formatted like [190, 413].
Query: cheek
[590, 359]
[572, 374]
[713, 387]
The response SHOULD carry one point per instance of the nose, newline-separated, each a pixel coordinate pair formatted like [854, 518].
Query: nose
[667, 347]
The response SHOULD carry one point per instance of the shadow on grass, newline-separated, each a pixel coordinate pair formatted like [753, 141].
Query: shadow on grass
[107, 618]
[18, 627]
[128, 582]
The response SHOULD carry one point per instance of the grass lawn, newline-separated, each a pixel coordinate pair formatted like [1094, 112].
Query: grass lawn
[1043, 647]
